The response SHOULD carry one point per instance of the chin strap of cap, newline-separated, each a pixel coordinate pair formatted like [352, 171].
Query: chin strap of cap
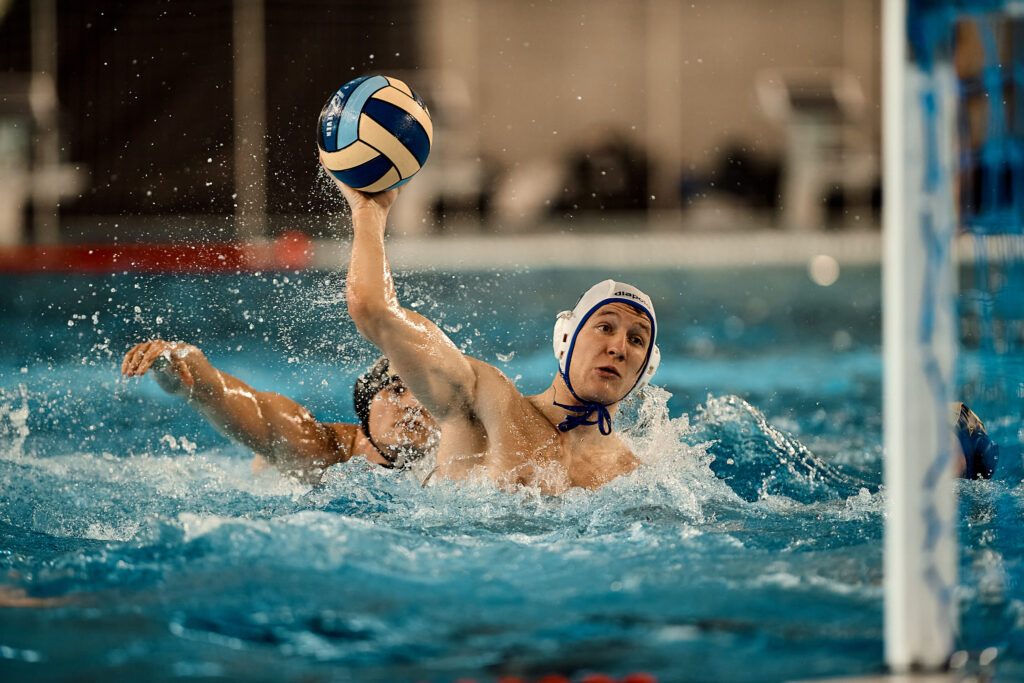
[582, 417]
[583, 413]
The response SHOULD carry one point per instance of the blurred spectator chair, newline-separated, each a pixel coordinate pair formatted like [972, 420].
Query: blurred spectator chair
[527, 193]
[15, 152]
[24, 102]
[606, 172]
[827, 147]
[602, 172]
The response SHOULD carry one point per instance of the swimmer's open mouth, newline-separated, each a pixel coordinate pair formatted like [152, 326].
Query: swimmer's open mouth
[609, 370]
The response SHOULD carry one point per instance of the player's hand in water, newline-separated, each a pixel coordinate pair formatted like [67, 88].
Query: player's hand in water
[167, 359]
[360, 201]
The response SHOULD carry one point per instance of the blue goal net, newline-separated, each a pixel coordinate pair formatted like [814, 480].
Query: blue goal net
[955, 288]
[982, 44]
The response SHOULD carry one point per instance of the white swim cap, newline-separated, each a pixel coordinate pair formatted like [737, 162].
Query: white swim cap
[569, 323]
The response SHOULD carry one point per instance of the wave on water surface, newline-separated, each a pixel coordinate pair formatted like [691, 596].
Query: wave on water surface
[189, 536]
[690, 469]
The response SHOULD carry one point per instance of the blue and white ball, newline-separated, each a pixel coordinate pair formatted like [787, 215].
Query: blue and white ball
[375, 133]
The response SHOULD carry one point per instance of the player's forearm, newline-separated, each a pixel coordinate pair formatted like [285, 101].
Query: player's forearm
[233, 408]
[218, 395]
[226, 402]
[222, 398]
[370, 290]
[274, 426]
[270, 424]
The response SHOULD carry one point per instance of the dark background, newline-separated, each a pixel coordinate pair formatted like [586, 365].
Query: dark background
[146, 93]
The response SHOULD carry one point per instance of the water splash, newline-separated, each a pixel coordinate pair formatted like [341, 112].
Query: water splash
[759, 460]
[14, 430]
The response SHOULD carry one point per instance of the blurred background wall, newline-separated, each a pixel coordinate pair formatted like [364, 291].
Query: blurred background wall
[127, 114]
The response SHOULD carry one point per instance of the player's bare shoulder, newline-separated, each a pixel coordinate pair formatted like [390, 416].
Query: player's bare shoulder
[491, 379]
[497, 395]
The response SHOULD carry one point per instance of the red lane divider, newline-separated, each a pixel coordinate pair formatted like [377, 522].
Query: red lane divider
[291, 251]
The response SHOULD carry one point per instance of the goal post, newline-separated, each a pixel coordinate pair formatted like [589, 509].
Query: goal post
[919, 335]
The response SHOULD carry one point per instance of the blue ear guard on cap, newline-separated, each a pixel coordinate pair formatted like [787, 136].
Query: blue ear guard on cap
[567, 328]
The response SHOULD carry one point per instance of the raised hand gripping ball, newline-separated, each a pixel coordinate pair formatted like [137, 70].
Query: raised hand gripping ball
[375, 133]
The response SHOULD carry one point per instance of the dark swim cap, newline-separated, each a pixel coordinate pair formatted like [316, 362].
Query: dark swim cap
[366, 387]
[981, 454]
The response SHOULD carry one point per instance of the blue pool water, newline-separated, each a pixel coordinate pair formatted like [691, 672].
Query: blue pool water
[747, 549]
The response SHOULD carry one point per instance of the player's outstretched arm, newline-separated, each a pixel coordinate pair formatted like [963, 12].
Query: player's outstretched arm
[440, 376]
[270, 424]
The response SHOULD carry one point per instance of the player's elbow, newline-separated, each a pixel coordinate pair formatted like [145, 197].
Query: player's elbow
[368, 310]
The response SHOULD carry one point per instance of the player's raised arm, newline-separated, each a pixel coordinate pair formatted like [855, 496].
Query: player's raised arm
[440, 376]
[270, 424]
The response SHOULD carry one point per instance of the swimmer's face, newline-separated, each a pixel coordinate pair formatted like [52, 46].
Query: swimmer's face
[609, 353]
[399, 423]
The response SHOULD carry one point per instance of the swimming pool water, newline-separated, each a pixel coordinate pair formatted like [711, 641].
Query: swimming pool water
[747, 549]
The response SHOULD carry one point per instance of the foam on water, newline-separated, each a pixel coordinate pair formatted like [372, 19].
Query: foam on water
[675, 483]
[193, 495]
[13, 422]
